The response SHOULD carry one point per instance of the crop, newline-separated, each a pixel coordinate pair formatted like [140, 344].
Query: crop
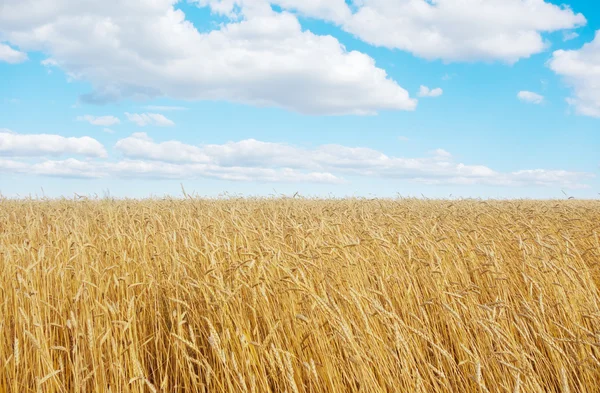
[299, 295]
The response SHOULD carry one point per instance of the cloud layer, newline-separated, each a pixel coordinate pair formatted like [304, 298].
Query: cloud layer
[437, 168]
[253, 160]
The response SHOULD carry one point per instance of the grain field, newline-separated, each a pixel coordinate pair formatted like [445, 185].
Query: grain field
[299, 295]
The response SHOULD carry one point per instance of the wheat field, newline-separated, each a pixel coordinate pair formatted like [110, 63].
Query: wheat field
[299, 295]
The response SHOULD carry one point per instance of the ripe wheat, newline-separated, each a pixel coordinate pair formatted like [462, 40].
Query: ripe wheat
[299, 295]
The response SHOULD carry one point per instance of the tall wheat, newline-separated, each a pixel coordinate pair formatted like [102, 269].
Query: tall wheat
[299, 295]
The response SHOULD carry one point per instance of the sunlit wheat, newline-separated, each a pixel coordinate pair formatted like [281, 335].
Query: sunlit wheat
[299, 295]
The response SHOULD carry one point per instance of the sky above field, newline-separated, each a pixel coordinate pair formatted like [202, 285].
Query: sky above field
[441, 98]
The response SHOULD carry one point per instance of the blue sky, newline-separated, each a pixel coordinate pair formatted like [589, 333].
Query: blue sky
[466, 98]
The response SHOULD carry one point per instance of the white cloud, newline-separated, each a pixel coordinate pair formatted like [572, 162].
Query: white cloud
[569, 35]
[402, 138]
[438, 168]
[530, 97]
[252, 160]
[140, 146]
[108, 130]
[461, 30]
[10, 55]
[146, 48]
[35, 145]
[425, 91]
[160, 170]
[153, 119]
[12, 166]
[581, 70]
[334, 10]
[451, 30]
[548, 178]
[67, 168]
[154, 169]
[100, 120]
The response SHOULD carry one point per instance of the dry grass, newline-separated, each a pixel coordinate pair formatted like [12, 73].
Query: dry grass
[293, 295]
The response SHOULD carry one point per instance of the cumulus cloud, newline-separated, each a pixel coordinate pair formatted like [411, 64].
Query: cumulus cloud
[438, 168]
[147, 48]
[333, 10]
[459, 30]
[153, 169]
[140, 146]
[425, 91]
[66, 168]
[100, 120]
[12, 166]
[152, 119]
[451, 30]
[10, 55]
[36, 145]
[253, 160]
[73, 168]
[530, 97]
[548, 178]
[581, 70]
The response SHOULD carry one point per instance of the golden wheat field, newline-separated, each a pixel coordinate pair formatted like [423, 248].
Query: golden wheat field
[299, 295]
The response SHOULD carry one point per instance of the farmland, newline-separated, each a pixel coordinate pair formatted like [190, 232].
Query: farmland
[299, 295]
